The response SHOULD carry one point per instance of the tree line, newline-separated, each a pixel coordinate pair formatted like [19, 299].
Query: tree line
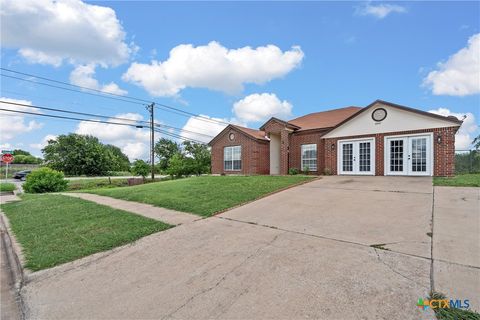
[76, 154]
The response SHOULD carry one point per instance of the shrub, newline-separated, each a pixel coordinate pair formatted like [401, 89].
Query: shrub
[140, 168]
[45, 180]
[293, 171]
[306, 170]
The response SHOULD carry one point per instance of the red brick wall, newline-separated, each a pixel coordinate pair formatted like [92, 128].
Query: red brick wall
[308, 137]
[255, 154]
[443, 153]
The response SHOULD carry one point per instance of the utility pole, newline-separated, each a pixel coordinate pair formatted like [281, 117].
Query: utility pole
[150, 108]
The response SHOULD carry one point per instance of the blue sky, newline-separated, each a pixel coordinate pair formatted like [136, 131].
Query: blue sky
[304, 57]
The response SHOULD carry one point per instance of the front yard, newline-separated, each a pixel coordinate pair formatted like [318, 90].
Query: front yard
[54, 229]
[203, 195]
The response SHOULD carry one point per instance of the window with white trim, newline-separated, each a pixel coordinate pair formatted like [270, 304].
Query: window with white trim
[232, 158]
[309, 157]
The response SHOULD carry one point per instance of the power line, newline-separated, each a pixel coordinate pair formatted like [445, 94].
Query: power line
[74, 85]
[68, 89]
[101, 116]
[110, 95]
[70, 118]
[100, 121]
[174, 135]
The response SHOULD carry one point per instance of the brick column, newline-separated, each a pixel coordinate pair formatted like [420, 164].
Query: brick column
[284, 150]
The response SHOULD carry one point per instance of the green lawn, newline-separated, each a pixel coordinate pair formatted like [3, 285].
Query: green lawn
[462, 180]
[203, 195]
[54, 229]
[6, 186]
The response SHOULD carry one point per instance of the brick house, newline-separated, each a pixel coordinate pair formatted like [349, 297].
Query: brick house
[382, 138]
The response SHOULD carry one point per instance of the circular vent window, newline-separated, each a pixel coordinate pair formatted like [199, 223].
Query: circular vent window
[379, 114]
[231, 136]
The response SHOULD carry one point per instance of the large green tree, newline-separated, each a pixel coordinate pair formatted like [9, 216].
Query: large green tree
[76, 154]
[476, 142]
[120, 159]
[165, 149]
[200, 157]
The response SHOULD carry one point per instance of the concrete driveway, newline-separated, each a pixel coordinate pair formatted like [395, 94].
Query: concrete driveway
[302, 253]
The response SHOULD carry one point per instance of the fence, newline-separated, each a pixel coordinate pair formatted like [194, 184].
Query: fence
[467, 161]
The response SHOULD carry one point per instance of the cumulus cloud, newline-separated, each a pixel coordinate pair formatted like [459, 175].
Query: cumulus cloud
[213, 67]
[460, 74]
[379, 11]
[134, 142]
[12, 124]
[48, 32]
[260, 107]
[466, 133]
[43, 143]
[83, 76]
[207, 129]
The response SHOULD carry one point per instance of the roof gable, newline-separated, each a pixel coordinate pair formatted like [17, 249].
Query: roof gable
[251, 133]
[399, 118]
[282, 122]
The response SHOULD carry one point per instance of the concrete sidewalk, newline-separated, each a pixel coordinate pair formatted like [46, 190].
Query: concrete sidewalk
[456, 243]
[165, 215]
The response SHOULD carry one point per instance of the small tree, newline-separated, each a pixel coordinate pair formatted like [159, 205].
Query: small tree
[176, 166]
[140, 168]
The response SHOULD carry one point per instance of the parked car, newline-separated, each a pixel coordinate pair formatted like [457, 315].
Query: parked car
[21, 174]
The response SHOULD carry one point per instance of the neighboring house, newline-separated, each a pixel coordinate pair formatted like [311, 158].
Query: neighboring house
[382, 138]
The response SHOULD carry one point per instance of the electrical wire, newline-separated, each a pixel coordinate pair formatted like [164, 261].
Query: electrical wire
[101, 116]
[110, 95]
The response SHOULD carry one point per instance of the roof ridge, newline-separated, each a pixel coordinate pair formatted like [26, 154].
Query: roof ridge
[336, 109]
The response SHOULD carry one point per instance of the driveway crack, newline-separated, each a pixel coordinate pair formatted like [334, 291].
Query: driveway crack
[223, 278]
[395, 271]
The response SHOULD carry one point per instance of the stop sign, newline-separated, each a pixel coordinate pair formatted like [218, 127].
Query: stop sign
[7, 158]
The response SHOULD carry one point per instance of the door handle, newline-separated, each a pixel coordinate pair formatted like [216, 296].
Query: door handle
[354, 159]
[408, 157]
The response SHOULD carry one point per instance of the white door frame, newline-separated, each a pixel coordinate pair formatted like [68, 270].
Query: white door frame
[407, 154]
[356, 170]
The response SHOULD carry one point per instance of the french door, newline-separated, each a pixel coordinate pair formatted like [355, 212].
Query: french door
[357, 157]
[408, 156]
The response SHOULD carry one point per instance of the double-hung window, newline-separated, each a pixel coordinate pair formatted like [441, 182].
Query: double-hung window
[309, 157]
[232, 158]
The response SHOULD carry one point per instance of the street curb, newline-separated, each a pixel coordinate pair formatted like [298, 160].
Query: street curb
[265, 195]
[13, 262]
[12, 257]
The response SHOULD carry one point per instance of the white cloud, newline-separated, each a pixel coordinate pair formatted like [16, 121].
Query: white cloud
[205, 127]
[134, 142]
[213, 67]
[44, 142]
[83, 76]
[260, 107]
[460, 74]
[379, 11]
[466, 133]
[12, 124]
[49, 32]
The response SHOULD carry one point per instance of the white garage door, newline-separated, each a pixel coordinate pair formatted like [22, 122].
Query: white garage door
[356, 156]
[408, 155]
